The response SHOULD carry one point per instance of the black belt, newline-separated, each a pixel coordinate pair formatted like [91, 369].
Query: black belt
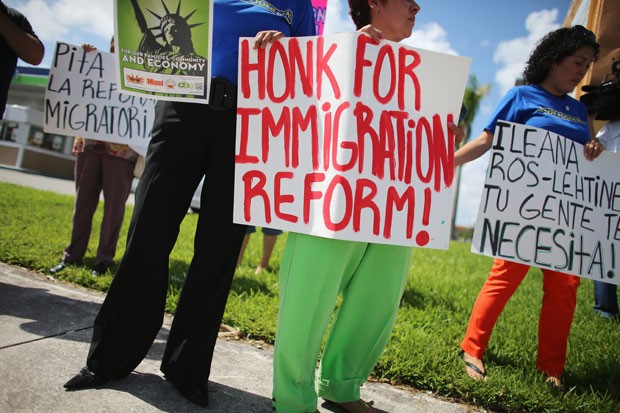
[223, 94]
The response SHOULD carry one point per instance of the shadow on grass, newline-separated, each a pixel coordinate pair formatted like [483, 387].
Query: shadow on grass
[413, 298]
[247, 284]
[603, 380]
[177, 272]
[241, 282]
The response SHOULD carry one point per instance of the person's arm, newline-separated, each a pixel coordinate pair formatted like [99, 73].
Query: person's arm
[474, 149]
[595, 147]
[26, 46]
[376, 34]
[458, 131]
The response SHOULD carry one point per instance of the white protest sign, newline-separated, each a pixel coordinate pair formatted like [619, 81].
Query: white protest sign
[545, 205]
[81, 99]
[343, 138]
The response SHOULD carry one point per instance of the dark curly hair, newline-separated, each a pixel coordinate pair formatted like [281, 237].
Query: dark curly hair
[555, 47]
[360, 12]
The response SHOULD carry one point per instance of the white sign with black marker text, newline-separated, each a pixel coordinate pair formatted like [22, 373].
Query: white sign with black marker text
[545, 205]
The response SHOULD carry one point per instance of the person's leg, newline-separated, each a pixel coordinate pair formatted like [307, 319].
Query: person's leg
[501, 284]
[270, 236]
[248, 233]
[133, 309]
[117, 179]
[88, 183]
[311, 272]
[556, 317]
[363, 324]
[189, 350]
[606, 299]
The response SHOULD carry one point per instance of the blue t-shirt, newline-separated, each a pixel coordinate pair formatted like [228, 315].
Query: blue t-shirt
[532, 105]
[244, 18]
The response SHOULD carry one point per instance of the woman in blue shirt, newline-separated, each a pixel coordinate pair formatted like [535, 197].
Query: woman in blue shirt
[555, 67]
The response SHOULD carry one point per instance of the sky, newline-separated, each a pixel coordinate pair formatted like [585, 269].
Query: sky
[497, 35]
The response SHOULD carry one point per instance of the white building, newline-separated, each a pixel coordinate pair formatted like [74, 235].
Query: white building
[23, 144]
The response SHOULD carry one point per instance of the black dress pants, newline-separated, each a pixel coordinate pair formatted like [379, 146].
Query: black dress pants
[189, 141]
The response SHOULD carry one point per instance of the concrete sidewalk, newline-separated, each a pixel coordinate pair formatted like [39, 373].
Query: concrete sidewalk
[45, 329]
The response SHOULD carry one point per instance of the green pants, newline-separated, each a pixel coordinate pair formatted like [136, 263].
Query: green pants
[314, 270]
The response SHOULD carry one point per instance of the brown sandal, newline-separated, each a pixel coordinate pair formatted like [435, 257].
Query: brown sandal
[359, 406]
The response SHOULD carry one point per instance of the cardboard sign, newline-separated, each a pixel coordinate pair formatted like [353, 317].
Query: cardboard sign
[320, 8]
[343, 138]
[545, 205]
[164, 48]
[82, 99]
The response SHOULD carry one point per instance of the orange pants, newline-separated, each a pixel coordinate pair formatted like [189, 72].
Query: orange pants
[556, 314]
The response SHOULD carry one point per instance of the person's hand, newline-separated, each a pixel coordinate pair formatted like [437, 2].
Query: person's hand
[593, 149]
[376, 34]
[459, 132]
[262, 39]
[88, 47]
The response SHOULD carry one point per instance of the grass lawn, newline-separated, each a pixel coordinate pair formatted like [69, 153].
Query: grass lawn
[35, 227]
